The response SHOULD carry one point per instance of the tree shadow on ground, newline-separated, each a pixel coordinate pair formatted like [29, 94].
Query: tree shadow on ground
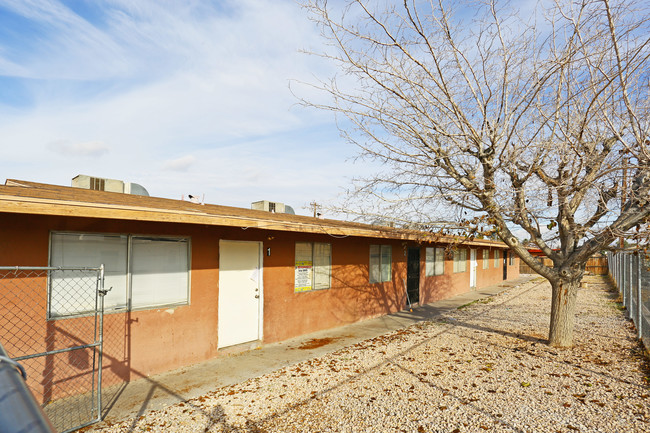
[531, 345]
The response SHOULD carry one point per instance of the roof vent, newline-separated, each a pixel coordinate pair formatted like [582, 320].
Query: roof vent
[110, 185]
[135, 189]
[271, 206]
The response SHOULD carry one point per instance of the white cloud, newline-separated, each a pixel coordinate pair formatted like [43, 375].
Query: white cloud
[186, 98]
[69, 46]
[88, 148]
[180, 164]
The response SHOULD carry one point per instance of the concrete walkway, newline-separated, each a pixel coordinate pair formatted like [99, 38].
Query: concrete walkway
[156, 392]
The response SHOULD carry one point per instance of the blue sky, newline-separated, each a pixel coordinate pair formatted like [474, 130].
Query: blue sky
[182, 97]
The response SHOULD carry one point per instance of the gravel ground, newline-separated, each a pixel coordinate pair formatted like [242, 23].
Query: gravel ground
[485, 367]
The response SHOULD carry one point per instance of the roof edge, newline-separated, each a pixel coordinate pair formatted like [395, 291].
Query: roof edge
[45, 199]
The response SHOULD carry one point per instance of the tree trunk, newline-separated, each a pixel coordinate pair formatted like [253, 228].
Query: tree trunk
[563, 307]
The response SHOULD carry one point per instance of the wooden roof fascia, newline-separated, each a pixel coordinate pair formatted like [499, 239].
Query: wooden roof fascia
[42, 199]
[34, 206]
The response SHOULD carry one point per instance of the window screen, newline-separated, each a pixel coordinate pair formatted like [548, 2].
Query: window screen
[322, 265]
[374, 270]
[486, 259]
[380, 269]
[460, 260]
[386, 259]
[435, 261]
[88, 250]
[159, 272]
[429, 257]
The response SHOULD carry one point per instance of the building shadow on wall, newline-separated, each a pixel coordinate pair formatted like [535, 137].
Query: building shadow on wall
[354, 299]
[61, 375]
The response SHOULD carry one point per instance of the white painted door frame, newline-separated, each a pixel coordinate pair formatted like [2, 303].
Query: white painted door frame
[473, 266]
[241, 292]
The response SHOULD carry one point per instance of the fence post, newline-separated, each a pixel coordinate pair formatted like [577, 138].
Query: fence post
[623, 285]
[618, 276]
[630, 294]
[102, 294]
[626, 277]
[639, 304]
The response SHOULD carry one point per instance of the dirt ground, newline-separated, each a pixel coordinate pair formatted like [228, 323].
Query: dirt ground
[482, 367]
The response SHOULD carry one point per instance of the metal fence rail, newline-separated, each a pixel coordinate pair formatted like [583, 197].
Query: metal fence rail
[51, 322]
[630, 271]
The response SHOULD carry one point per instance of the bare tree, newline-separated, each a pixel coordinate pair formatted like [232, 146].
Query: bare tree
[525, 119]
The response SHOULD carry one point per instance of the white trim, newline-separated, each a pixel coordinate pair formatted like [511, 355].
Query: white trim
[260, 300]
[260, 305]
[473, 267]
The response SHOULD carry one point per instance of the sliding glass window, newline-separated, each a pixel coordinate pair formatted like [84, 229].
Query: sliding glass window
[141, 272]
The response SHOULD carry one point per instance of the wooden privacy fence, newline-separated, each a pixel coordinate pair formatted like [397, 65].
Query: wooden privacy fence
[596, 265]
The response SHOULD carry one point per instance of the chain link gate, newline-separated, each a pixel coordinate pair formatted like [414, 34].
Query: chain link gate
[51, 322]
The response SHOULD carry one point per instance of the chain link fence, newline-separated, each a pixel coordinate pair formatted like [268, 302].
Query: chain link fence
[51, 323]
[631, 274]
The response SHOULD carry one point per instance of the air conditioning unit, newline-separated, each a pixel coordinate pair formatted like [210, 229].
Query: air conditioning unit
[110, 185]
[269, 206]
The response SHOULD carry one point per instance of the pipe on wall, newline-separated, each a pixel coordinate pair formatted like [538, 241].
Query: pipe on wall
[19, 412]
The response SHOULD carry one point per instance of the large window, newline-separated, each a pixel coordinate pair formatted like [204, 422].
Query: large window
[434, 261]
[496, 258]
[313, 269]
[141, 272]
[460, 260]
[159, 271]
[486, 259]
[380, 263]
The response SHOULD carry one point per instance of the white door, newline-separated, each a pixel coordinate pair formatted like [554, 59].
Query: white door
[473, 265]
[240, 292]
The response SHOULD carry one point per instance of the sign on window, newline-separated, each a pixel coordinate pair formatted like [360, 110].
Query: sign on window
[304, 267]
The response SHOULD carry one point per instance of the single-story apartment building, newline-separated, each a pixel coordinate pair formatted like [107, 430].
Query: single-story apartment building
[189, 281]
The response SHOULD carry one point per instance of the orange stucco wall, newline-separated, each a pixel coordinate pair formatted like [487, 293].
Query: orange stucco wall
[136, 343]
[449, 284]
[140, 343]
[350, 299]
